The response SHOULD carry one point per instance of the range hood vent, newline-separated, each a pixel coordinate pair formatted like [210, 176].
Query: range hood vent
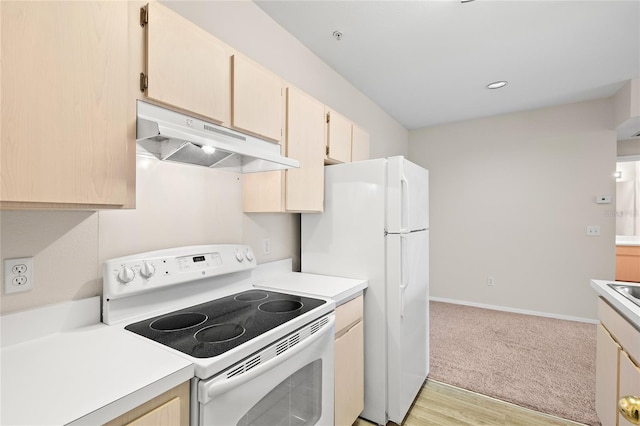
[172, 136]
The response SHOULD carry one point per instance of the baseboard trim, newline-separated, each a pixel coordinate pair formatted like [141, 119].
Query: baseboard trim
[514, 310]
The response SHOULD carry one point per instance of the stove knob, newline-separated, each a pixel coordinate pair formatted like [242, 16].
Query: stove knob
[249, 255]
[239, 256]
[147, 270]
[126, 275]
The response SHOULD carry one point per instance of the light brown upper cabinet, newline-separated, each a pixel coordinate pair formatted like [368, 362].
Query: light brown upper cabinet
[305, 143]
[293, 190]
[359, 144]
[64, 91]
[338, 148]
[256, 99]
[186, 66]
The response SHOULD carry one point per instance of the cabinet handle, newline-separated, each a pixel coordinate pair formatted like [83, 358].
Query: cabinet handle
[629, 407]
[144, 15]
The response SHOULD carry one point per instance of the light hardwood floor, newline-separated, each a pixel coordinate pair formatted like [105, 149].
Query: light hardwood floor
[439, 404]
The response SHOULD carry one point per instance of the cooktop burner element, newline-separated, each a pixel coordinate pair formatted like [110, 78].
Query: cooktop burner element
[213, 328]
[251, 296]
[174, 322]
[280, 306]
[219, 333]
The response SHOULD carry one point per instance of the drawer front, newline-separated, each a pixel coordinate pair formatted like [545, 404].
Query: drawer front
[348, 314]
[621, 330]
[628, 250]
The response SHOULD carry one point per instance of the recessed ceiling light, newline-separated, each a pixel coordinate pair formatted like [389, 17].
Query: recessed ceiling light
[337, 35]
[466, 1]
[496, 85]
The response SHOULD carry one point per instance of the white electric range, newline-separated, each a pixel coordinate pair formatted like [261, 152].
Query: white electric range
[260, 356]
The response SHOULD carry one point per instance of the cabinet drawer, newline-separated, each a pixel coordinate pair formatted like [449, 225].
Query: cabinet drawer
[628, 250]
[348, 314]
[622, 331]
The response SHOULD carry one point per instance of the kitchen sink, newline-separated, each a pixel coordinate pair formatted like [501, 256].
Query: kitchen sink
[630, 291]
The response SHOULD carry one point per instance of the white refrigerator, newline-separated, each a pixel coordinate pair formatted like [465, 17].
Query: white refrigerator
[375, 226]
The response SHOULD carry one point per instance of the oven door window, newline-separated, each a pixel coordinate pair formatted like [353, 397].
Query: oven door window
[293, 388]
[295, 401]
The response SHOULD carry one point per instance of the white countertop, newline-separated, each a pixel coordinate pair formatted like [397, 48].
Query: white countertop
[87, 374]
[622, 240]
[60, 365]
[339, 289]
[623, 305]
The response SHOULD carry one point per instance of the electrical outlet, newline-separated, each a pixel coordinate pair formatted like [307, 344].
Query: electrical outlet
[266, 246]
[490, 281]
[18, 275]
[593, 231]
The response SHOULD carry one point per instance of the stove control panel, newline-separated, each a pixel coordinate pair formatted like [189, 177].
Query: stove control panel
[144, 272]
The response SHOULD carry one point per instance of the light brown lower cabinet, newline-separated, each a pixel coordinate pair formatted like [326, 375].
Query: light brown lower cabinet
[628, 263]
[617, 369]
[349, 362]
[629, 383]
[607, 355]
[169, 409]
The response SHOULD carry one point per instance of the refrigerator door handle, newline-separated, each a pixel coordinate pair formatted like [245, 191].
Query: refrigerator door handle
[404, 204]
[404, 271]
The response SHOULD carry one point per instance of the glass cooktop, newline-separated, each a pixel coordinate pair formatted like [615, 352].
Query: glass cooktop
[212, 328]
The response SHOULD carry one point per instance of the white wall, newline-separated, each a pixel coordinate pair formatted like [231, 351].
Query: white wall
[180, 204]
[511, 197]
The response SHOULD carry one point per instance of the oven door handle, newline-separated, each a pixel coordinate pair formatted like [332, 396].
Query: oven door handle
[209, 389]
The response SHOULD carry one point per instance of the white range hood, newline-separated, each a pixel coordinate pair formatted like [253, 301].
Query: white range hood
[172, 136]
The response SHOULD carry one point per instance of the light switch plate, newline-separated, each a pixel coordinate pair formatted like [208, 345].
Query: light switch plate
[593, 231]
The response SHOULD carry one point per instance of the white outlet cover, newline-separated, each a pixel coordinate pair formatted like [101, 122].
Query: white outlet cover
[13, 272]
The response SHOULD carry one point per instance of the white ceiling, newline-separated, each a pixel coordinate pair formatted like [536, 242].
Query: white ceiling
[428, 62]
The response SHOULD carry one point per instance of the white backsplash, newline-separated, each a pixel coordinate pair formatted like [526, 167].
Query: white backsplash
[177, 205]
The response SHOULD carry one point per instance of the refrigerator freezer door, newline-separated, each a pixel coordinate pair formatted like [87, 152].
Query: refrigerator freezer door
[407, 196]
[407, 319]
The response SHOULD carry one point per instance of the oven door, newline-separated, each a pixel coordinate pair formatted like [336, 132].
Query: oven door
[287, 383]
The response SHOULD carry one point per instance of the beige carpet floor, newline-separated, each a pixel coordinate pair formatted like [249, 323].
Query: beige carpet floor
[540, 363]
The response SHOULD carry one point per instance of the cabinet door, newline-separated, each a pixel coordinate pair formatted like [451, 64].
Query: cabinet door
[606, 377]
[256, 99]
[186, 67]
[263, 192]
[359, 144]
[64, 98]
[628, 263]
[338, 138]
[168, 414]
[629, 383]
[293, 190]
[305, 143]
[168, 409]
[349, 376]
